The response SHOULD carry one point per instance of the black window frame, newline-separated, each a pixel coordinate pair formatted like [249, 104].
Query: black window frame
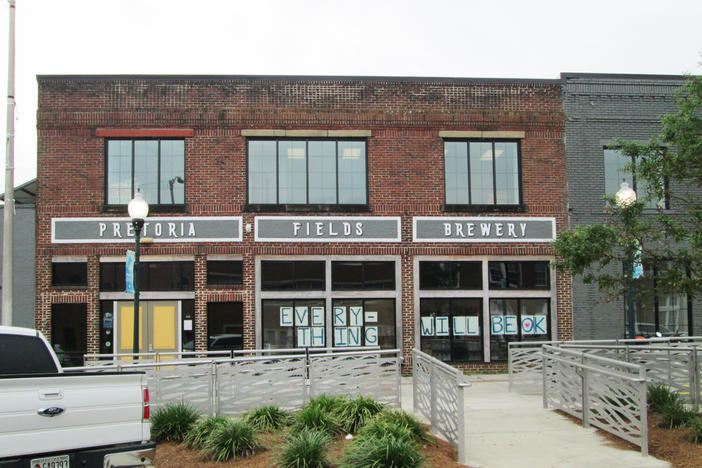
[364, 283]
[363, 301]
[456, 264]
[145, 277]
[154, 206]
[632, 170]
[294, 264]
[282, 206]
[83, 275]
[451, 337]
[238, 265]
[482, 206]
[521, 287]
[519, 337]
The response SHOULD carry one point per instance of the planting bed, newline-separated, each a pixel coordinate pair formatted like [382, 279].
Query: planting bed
[173, 455]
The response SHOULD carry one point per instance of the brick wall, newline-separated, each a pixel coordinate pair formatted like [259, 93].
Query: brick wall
[600, 109]
[405, 163]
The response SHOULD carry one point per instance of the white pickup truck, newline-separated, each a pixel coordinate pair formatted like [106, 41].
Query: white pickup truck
[52, 419]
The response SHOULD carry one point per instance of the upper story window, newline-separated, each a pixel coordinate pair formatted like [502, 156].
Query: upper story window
[519, 275]
[224, 272]
[289, 275]
[69, 274]
[155, 167]
[617, 167]
[450, 275]
[307, 172]
[153, 276]
[351, 275]
[482, 172]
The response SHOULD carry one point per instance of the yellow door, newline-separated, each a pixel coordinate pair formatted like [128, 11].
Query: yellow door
[158, 331]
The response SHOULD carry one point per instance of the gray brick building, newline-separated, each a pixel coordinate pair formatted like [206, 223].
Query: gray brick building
[599, 109]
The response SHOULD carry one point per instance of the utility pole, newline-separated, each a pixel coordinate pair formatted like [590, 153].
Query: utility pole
[9, 211]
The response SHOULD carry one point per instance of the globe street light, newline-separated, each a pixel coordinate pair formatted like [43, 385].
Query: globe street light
[625, 197]
[138, 209]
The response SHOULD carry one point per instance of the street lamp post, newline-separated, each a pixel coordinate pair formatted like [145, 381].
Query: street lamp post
[138, 209]
[625, 197]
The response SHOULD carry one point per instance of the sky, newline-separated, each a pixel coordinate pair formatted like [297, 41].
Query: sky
[430, 38]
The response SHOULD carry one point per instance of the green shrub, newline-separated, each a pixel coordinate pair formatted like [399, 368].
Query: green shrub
[386, 452]
[315, 418]
[661, 395]
[330, 404]
[419, 431]
[235, 437]
[268, 418]
[305, 450]
[198, 434]
[379, 428]
[696, 434]
[676, 415]
[353, 414]
[172, 422]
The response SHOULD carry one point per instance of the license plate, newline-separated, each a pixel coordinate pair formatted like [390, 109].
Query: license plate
[62, 461]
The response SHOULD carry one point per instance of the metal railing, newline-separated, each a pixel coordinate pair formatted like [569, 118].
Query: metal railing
[524, 361]
[437, 393]
[606, 393]
[230, 386]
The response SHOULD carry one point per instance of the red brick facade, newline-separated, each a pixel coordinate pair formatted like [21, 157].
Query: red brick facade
[405, 168]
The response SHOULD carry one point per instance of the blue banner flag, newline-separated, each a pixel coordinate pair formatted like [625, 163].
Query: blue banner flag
[129, 272]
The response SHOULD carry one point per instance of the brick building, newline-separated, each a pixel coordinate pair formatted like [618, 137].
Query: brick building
[304, 211]
[601, 108]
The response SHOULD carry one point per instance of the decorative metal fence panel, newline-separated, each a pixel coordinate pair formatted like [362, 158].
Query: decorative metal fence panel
[665, 360]
[244, 384]
[375, 374]
[438, 395]
[231, 386]
[603, 392]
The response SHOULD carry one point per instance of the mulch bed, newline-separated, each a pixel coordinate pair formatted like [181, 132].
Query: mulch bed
[666, 444]
[173, 455]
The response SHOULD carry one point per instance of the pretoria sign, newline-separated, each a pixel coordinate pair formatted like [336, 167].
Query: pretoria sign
[171, 229]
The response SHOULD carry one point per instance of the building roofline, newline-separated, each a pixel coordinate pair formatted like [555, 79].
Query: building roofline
[398, 79]
[622, 76]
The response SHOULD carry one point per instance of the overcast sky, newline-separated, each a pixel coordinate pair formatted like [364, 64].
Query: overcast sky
[446, 38]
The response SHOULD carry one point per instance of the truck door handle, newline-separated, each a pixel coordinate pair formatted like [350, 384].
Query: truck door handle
[50, 412]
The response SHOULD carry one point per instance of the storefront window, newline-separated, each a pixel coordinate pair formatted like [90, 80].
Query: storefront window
[450, 275]
[292, 275]
[451, 329]
[297, 323]
[364, 322]
[347, 276]
[517, 320]
[69, 333]
[69, 274]
[519, 275]
[224, 272]
[153, 276]
[225, 326]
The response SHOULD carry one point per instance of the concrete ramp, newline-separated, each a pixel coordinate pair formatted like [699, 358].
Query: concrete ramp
[510, 430]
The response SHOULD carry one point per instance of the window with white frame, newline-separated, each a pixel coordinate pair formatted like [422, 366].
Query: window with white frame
[335, 302]
[470, 309]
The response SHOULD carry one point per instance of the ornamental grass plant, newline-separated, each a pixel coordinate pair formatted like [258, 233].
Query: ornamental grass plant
[305, 449]
[172, 422]
[354, 414]
[198, 434]
[660, 396]
[314, 417]
[419, 431]
[385, 452]
[233, 438]
[268, 418]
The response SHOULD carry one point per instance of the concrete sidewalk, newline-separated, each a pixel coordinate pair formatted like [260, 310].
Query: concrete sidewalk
[512, 430]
